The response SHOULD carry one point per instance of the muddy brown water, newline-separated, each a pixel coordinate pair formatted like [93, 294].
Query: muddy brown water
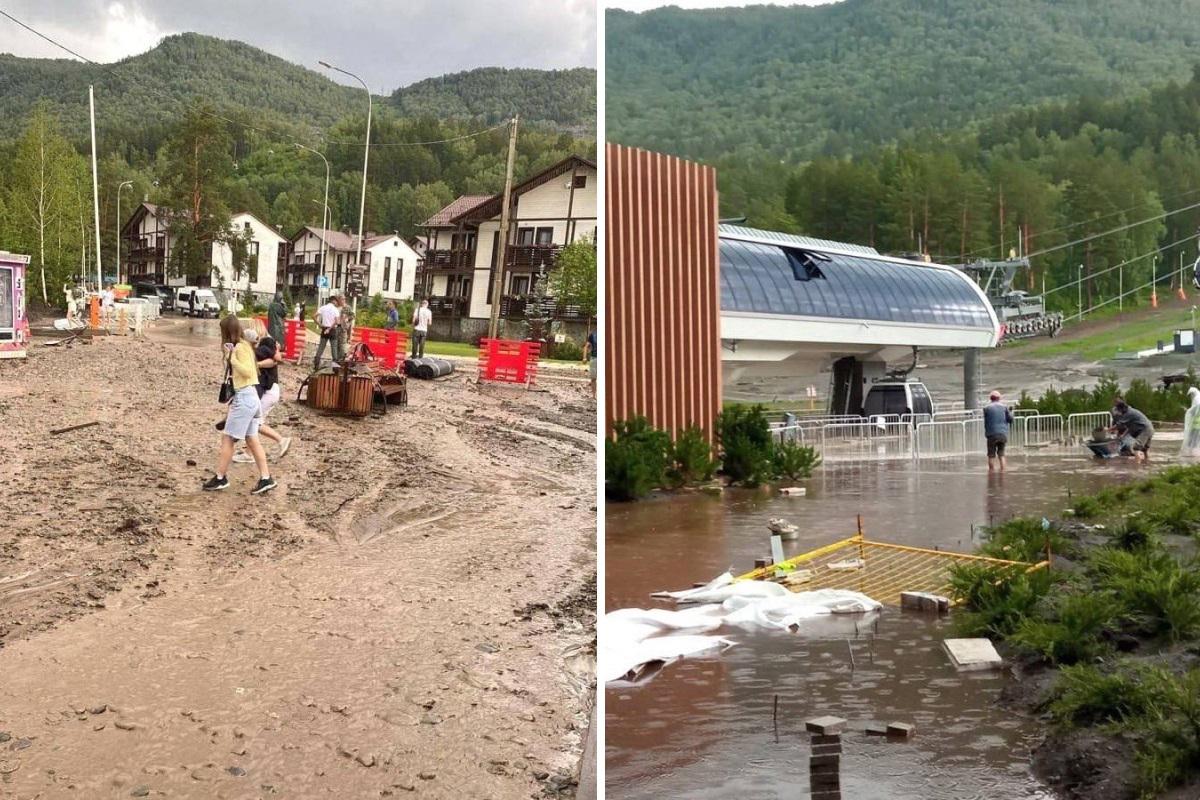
[703, 727]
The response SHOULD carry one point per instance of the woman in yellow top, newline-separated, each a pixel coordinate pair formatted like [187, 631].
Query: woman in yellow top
[243, 418]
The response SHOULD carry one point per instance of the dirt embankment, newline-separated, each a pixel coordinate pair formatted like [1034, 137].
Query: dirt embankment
[370, 629]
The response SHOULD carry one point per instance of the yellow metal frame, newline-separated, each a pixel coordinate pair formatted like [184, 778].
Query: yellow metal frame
[888, 569]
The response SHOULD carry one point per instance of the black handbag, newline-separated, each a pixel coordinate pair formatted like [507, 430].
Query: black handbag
[227, 384]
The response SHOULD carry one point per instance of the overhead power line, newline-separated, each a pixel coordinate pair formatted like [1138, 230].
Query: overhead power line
[1125, 263]
[1111, 231]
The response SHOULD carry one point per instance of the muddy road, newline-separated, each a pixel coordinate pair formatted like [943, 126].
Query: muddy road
[410, 614]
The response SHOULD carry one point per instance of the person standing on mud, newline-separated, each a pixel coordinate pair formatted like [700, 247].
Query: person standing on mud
[1134, 428]
[589, 355]
[393, 317]
[242, 419]
[327, 319]
[996, 421]
[266, 351]
[275, 314]
[422, 319]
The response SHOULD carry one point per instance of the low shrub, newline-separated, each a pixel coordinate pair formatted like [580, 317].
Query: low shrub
[691, 458]
[1170, 749]
[1134, 533]
[1024, 539]
[794, 461]
[1156, 591]
[635, 460]
[1071, 630]
[566, 350]
[1085, 695]
[997, 599]
[747, 450]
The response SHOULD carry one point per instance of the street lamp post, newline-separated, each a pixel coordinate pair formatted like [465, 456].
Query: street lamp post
[325, 213]
[121, 186]
[362, 205]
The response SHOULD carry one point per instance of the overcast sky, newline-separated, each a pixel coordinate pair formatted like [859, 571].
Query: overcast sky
[645, 5]
[389, 43]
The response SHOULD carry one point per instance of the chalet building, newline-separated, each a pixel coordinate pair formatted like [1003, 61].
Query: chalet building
[260, 277]
[146, 244]
[546, 212]
[315, 252]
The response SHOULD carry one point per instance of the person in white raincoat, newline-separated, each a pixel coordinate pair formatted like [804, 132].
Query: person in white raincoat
[1191, 426]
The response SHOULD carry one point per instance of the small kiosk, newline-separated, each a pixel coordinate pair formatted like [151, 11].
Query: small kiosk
[14, 321]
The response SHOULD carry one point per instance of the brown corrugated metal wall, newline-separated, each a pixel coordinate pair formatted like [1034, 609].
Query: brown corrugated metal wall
[662, 349]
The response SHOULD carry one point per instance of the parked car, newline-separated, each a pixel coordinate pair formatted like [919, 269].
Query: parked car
[195, 301]
[166, 298]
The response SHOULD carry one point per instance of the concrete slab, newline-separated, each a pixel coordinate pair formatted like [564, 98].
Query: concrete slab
[825, 726]
[793, 491]
[972, 654]
[924, 601]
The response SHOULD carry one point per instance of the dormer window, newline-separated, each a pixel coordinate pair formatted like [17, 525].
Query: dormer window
[805, 263]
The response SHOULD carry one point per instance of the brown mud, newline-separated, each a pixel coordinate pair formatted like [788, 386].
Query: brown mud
[369, 629]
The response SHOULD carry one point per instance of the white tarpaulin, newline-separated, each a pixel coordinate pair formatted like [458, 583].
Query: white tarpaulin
[1191, 427]
[631, 638]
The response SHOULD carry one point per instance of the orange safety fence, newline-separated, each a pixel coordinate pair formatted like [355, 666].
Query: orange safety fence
[387, 346]
[508, 361]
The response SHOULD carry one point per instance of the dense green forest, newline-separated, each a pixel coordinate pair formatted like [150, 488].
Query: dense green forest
[1055, 175]
[138, 96]
[750, 88]
[420, 160]
[563, 97]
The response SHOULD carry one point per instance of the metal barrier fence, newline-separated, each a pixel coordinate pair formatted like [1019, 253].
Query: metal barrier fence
[955, 416]
[918, 436]
[1080, 426]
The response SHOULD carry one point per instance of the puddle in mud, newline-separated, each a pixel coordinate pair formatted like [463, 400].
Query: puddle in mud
[702, 727]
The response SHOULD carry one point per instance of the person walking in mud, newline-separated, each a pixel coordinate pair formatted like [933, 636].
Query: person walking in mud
[1134, 428]
[327, 318]
[590, 355]
[266, 353]
[422, 319]
[997, 418]
[242, 419]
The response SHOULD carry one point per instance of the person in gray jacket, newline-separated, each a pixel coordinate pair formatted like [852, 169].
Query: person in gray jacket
[996, 421]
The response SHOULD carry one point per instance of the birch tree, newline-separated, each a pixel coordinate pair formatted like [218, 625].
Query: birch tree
[40, 191]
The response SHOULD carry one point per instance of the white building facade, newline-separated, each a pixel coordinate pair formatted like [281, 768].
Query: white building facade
[391, 262]
[548, 211]
[263, 249]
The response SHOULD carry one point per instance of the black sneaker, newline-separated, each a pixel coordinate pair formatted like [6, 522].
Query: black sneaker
[263, 486]
[215, 484]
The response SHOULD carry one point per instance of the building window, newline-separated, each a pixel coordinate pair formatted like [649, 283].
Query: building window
[520, 285]
[545, 235]
[399, 274]
[525, 236]
[579, 182]
[252, 259]
[387, 274]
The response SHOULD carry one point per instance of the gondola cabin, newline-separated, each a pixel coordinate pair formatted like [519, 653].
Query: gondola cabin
[14, 320]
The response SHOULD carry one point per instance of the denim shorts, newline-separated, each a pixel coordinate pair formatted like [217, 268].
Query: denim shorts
[242, 420]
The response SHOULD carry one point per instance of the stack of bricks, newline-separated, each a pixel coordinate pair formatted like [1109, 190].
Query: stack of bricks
[825, 763]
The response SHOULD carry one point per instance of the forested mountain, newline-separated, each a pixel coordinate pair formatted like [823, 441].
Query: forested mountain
[1109, 190]
[146, 91]
[149, 89]
[250, 110]
[564, 97]
[747, 88]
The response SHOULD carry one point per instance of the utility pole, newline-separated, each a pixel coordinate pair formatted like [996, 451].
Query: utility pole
[95, 189]
[120, 186]
[498, 275]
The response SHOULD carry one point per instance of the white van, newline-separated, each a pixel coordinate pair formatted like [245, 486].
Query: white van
[203, 301]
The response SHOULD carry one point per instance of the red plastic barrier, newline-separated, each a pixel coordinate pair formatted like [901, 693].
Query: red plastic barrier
[508, 361]
[294, 338]
[388, 347]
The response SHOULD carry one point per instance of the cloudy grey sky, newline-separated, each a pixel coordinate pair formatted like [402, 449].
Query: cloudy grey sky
[646, 5]
[389, 43]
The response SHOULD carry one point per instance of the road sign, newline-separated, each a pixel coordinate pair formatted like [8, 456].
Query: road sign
[356, 281]
[322, 282]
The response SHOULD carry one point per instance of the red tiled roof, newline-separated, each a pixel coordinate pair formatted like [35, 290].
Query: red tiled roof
[339, 240]
[459, 206]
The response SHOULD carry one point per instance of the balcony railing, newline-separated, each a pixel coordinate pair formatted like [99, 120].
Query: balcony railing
[454, 306]
[533, 255]
[458, 258]
[300, 269]
[145, 253]
[513, 307]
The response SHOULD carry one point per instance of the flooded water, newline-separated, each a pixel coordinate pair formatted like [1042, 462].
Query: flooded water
[703, 727]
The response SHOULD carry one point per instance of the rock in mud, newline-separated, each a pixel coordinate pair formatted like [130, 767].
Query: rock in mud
[427, 776]
[139, 791]
[366, 759]
[235, 771]
[125, 725]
